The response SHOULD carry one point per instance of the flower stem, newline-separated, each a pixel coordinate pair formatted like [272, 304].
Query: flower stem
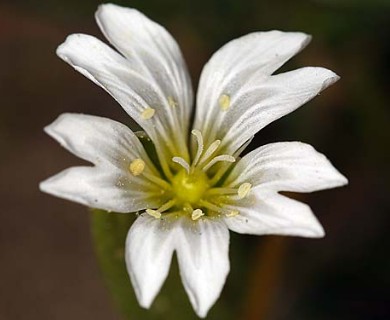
[265, 277]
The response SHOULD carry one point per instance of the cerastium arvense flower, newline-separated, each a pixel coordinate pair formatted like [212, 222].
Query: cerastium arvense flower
[198, 187]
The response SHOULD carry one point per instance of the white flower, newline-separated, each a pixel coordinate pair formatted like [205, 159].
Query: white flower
[195, 192]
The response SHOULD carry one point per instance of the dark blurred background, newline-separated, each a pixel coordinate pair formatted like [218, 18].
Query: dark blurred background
[48, 269]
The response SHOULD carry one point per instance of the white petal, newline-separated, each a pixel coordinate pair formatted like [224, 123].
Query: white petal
[135, 89]
[236, 63]
[111, 146]
[99, 188]
[102, 141]
[152, 50]
[256, 105]
[202, 250]
[272, 213]
[149, 249]
[286, 166]
[241, 70]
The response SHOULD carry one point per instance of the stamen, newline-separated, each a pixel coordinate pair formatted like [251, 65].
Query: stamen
[187, 207]
[137, 166]
[232, 213]
[196, 214]
[164, 162]
[221, 171]
[243, 147]
[162, 183]
[210, 150]
[172, 103]
[224, 102]
[199, 151]
[154, 213]
[221, 191]
[166, 206]
[223, 157]
[182, 162]
[148, 113]
[243, 190]
[210, 206]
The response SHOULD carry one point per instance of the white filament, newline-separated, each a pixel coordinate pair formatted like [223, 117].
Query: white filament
[166, 206]
[223, 157]
[199, 151]
[210, 150]
[182, 162]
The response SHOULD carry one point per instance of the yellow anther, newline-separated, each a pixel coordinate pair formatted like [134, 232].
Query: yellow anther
[154, 213]
[172, 103]
[137, 166]
[243, 190]
[196, 214]
[232, 213]
[224, 102]
[148, 113]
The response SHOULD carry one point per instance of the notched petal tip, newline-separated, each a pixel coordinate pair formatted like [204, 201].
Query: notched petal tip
[112, 11]
[52, 186]
[203, 262]
[299, 37]
[314, 230]
[104, 8]
[75, 44]
[333, 77]
[60, 125]
[44, 186]
[324, 76]
[111, 6]
[308, 39]
[339, 180]
[51, 127]
[51, 130]
[148, 262]
[145, 303]
[336, 179]
[201, 313]
[343, 180]
[144, 300]
[62, 49]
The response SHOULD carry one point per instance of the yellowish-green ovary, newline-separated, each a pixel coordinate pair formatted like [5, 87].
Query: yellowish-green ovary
[190, 188]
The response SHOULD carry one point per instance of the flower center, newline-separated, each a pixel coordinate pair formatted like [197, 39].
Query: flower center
[190, 187]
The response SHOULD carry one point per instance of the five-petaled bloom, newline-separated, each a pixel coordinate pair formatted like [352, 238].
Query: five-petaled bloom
[198, 187]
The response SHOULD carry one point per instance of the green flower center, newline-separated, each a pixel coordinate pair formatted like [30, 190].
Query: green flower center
[190, 188]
